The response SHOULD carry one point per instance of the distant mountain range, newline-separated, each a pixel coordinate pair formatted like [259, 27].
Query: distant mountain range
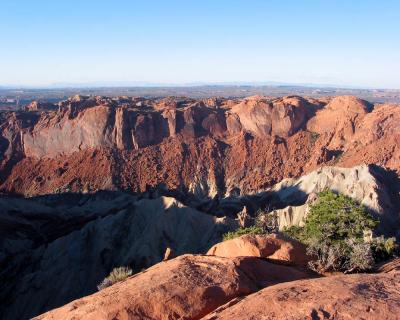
[119, 84]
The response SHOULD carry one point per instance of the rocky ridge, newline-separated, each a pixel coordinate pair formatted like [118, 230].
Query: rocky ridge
[213, 287]
[207, 147]
[363, 296]
[186, 287]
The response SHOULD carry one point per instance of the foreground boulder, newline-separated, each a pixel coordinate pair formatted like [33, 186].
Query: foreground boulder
[188, 287]
[363, 296]
[273, 246]
[390, 266]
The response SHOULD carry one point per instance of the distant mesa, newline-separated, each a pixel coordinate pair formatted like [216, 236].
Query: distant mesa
[213, 146]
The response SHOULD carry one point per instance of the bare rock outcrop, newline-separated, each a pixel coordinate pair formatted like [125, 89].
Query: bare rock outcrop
[215, 147]
[376, 139]
[274, 246]
[358, 132]
[41, 106]
[187, 287]
[87, 123]
[293, 215]
[363, 296]
[339, 119]
[100, 126]
[358, 183]
[389, 266]
[84, 122]
[280, 117]
[11, 148]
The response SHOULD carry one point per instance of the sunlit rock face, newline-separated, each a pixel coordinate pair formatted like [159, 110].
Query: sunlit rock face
[212, 147]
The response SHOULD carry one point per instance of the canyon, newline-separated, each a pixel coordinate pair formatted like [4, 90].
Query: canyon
[204, 147]
[92, 182]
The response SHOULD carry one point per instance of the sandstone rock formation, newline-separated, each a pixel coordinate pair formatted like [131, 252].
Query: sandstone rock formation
[97, 123]
[359, 183]
[290, 199]
[279, 117]
[188, 287]
[274, 246]
[215, 147]
[364, 296]
[339, 119]
[11, 149]
[357, 132]
[193, 287]
[389, 266]
[40, 106]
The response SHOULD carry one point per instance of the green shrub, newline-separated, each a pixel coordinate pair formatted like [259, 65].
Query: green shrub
[242, 231]
[336, 217]
[295, 232]
[383, 248]
[267, 221]
[116, 275]
[314, 137]
[334, 232]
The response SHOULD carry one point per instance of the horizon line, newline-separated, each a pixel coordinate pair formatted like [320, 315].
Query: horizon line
[149, 84]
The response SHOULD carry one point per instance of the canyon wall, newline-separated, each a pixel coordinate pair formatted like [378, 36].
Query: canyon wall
[207, 147]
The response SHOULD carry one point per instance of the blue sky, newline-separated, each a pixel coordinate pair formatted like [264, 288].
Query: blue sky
[349, 43]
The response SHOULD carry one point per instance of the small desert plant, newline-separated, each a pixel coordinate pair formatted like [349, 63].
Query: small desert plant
[339, 155]
[314, 137]
[243, 231]
[116, 275]
[268, 221]
[383, 248]
[360, 255]
[334, 232]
